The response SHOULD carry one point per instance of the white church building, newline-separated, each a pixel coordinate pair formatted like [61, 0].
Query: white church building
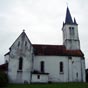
[39, 63]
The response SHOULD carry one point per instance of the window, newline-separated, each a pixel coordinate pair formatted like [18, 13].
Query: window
[25, 43]
[38, 76]
[18, 43]
[71, 29]
[20, 63]
[42, 66]
[69, 57]
[61, 66]
[77, 74]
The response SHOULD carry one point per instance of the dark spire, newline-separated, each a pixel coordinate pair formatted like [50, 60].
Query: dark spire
[63, 23]
[75, 21]
[68, 19]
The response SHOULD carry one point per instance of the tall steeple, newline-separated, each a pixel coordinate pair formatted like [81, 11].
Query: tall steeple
[68, 19]
[70, 33]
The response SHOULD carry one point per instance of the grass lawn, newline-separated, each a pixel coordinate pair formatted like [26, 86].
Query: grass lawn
[54, 85]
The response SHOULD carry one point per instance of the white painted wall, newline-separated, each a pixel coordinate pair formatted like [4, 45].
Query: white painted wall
[76, 69]
[66, 32]
[83, 70]
[43, 78]
[13, 70]
[16, 76]
[52, 67]
[71, 68]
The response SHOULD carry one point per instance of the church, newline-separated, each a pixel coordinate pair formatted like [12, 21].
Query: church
[40, 63]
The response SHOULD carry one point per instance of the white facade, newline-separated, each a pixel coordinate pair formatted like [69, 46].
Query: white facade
[71, 41]
[71, 68]
[21, 48]
[46, 63]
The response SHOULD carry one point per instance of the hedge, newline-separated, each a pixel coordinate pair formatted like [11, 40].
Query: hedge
[3, 79]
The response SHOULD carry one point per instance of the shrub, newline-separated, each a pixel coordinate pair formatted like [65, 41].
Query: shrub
[3, 79]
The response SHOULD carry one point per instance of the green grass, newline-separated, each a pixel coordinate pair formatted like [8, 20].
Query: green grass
[54, 85]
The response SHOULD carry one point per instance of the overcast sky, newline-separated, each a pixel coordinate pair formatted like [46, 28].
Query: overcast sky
[42, 21]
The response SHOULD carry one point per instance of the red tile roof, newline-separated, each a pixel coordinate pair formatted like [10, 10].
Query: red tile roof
[55, 50]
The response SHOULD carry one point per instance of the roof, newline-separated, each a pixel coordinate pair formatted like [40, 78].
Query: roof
[4, 67]
[68, 19]
[7, 54]
[55, 50]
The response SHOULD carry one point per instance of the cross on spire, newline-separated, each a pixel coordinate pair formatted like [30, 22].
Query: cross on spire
[23, 30]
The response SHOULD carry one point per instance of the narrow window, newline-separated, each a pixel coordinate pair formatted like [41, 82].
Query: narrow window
[18, 43]
[25, 43]
[70, 57]
[20, 63]
[61, 66]
[71, 29]
[77, 74]
[42, 66]
[38, 76]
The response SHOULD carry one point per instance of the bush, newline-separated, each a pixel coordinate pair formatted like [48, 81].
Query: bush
[3, 79]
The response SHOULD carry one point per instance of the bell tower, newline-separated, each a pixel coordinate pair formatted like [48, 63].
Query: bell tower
[70, 33]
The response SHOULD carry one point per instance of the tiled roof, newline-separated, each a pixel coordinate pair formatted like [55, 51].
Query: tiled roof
[55, 50]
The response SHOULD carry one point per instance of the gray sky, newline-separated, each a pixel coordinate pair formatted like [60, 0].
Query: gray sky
[42, 21]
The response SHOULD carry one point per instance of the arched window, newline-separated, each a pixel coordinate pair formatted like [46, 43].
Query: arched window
[77, 74]
[20, 63]
[25, 43]
[42, 66]
[18, 43]
[61, 66]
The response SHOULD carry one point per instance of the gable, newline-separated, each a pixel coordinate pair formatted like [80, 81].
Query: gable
[21, 41]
